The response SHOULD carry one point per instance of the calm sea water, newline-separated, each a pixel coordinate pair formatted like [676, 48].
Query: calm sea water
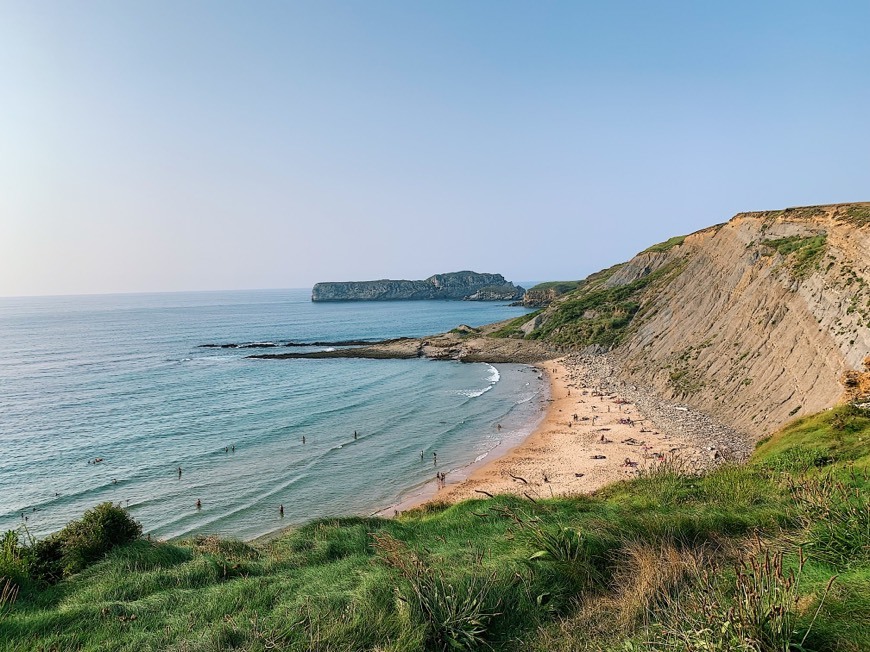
[122, 377]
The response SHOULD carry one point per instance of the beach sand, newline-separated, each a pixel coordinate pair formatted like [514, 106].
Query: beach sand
[584, 442]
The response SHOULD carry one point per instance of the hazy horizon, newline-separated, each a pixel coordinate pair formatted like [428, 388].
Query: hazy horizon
[157, 147]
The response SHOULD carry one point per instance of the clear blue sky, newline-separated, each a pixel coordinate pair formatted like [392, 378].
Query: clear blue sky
[149, 146]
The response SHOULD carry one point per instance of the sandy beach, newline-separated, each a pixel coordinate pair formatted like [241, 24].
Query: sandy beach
[590, 436]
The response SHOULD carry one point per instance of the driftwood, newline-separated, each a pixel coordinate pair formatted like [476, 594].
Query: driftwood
[516, 477]
[486, 493]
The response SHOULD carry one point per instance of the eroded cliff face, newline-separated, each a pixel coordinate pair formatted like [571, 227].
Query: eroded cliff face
[470, 286]
[755, 321]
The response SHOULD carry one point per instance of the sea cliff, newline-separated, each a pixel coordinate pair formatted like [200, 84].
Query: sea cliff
[466, 285]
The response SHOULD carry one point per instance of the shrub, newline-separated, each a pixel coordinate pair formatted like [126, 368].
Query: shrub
[81, 542]
[100, 529]
[576, 558]
[13, 566]
[456, 614]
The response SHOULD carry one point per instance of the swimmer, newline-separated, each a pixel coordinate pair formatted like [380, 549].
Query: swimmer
[281, 511]
[198, 503]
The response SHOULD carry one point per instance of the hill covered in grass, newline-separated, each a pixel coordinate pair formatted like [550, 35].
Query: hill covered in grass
[772, 555]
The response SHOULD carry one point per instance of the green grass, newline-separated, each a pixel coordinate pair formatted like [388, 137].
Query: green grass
[803, 253]
[858, 214]
[736, 559]
[512, 328]
[668, 244]
[561, 287]
[596, 315]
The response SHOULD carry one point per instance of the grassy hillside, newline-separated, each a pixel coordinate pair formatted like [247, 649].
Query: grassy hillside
[739, 559]
[596, 314]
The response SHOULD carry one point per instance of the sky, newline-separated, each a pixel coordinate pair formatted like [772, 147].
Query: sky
[168, 146]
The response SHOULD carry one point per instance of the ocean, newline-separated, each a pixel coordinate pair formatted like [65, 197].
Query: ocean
[124, 378]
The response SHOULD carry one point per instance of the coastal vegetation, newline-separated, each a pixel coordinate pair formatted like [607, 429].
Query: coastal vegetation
[598, 314]
[802, 253]
[773, 555]
[560, 287]
[668, 244]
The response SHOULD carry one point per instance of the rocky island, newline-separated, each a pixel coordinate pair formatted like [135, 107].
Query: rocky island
[466, 285]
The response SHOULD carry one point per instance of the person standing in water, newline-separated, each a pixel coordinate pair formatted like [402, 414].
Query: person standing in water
[434, 458]
[281, 511]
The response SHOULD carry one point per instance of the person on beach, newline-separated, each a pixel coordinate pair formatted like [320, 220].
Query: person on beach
[499, 426]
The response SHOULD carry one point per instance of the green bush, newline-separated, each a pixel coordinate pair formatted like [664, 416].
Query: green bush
[81, 543]
[13, 566]
[100, 529]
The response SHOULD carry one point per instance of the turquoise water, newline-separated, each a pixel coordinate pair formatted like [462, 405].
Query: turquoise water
[123, 378]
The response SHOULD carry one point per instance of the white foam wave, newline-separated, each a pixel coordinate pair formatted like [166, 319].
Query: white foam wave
[329, 348]
[480, 457]
[473, 393]
[494, 376]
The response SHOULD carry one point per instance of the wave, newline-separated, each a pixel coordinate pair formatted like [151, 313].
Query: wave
[473, 393]
[492, 378]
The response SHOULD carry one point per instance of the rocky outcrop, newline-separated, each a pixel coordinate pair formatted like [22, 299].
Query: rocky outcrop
[857, 384]
[464, 344]
[535, 298]
[469, 286]
[755, 321]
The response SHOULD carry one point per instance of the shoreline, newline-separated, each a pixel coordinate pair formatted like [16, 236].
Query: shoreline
[590, 436]
[594, 430]
[429, 491]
